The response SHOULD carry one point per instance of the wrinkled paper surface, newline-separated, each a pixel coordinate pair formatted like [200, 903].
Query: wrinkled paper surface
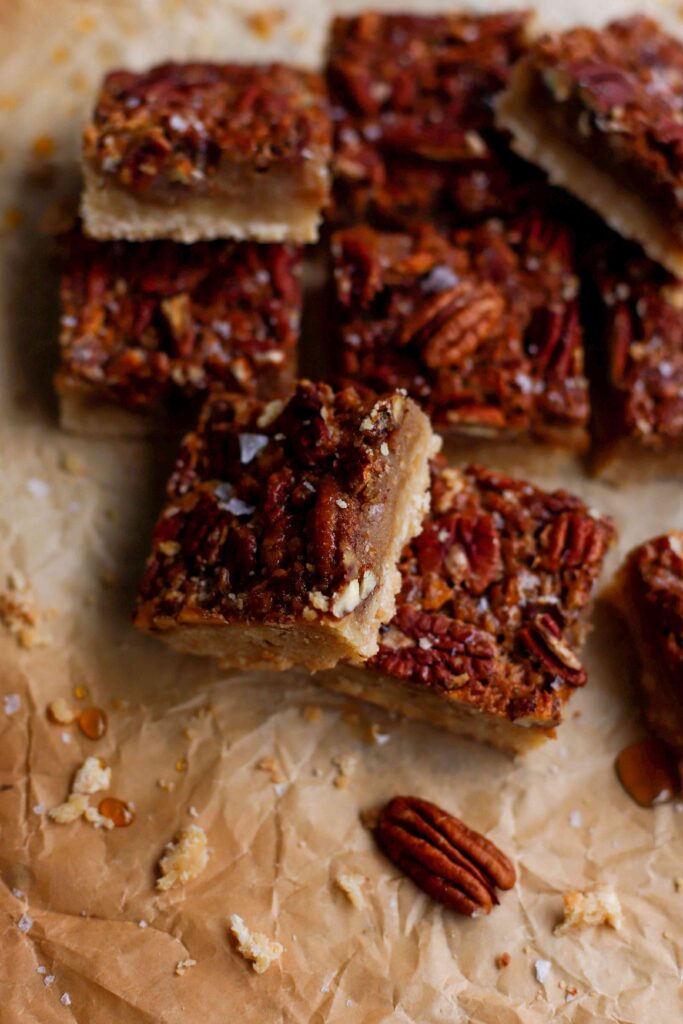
[80, 540]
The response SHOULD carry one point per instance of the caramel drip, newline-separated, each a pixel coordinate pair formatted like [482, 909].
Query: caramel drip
[647, 771]
[93, 723]
[120, 813]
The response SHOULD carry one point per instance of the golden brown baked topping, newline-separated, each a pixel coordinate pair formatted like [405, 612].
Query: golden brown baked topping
[161, 320]
[449, 861]
[480, 326]
[271, 507]
[177, 125]
[494, 591]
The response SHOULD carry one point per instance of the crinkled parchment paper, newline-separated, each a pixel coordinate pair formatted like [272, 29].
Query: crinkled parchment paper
[75, 518]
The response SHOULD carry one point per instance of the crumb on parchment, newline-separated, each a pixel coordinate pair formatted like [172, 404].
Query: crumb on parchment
[60, 711]
[184, 859]
[92, 777]
[597, 906]
[351, 884]
[254, 946]
[184, 965]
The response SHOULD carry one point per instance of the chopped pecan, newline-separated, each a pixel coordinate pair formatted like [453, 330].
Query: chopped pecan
[463, 547]
[453, 864]
[543, 638]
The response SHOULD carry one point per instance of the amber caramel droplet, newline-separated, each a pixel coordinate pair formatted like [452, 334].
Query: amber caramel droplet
[181, 765]
[120, 813]
[647, 771]
[93, 723]
[80, 692]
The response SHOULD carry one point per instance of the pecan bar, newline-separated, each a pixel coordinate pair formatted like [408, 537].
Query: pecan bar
[491, 612]
[600, 111]
[481, 326]
[637, 308]
[201, 151]
[147, 328]
[284, 525]
[649, 593]
[412, 101]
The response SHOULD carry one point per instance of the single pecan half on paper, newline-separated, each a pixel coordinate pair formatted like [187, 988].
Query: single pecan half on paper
[453, 864]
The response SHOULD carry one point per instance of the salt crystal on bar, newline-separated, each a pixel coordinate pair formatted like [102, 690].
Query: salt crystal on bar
[12, 703]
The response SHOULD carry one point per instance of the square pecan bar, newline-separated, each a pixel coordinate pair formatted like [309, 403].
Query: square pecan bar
[284, 524]
[480, 326]
[600, 111]
[649, 593]
[637, 307]
[491, 612]
[147, 328]
[202, 151]
[412, 103]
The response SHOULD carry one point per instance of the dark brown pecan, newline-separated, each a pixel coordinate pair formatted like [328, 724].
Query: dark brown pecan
[464, 547]
[453, 864]
[571, 540]
[543, 638]
[451, 324]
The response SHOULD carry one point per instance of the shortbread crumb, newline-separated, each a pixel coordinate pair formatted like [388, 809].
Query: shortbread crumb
[184, 965]
[185, 858]
[254, 946]
[598, 906]
[73, 808]
[92, 777]
[61, 712]
[352, 887]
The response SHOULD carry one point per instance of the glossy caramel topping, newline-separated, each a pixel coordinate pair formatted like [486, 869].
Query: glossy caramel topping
[122, 814]
[648, 773]
[93, 723]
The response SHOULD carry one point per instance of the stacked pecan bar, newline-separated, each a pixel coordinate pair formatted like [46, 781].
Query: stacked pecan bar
[201, 151]
[649, 592]
[412, 102]
[636, 307]
[600, 111]
[491, 611]
[480, 326]
[284, 524]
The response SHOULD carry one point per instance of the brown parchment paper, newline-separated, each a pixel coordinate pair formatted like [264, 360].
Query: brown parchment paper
[80, 541]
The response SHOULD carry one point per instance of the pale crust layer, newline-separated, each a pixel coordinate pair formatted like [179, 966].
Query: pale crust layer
[444, 711]
[110, 213]
[535, 138]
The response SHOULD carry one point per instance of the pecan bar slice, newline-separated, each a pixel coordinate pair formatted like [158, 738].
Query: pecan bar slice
[600, 111]
[284, 524]
[637, 307]
[649, 593]
[412, 100]
[491, 612]
[201, 151]
[147, 328]
[481, 326]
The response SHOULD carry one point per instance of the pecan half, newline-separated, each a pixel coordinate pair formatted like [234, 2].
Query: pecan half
[449, 861]
[543, 638]
[452, 323]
